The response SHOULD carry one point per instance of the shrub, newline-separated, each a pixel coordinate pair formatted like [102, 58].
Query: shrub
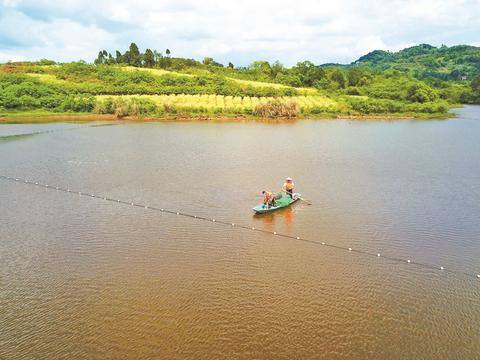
[104, 106]
[353, 91]
[46, 62]
[429, 107]
[78, 103]
[75, 70]
[375, 106]
[133, 107]
[277, 108]
[121, 106]
[383, 106]
[170, 108]
[421, 93]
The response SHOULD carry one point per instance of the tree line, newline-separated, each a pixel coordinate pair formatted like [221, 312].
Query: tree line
[133, 57]
[371, 75]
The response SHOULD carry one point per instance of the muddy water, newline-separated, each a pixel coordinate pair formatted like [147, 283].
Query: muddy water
[86, 278]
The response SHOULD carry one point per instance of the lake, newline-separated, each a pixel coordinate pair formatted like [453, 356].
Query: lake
[81, 277]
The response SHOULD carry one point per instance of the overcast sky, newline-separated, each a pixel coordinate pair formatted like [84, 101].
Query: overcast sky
[237, 31]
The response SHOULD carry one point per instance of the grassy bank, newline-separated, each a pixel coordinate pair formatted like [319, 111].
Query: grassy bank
[39, 117]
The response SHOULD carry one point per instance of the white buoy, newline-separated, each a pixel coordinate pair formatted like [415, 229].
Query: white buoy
[195, 216]
[378, 254]
[349, 249]
[442, 268]
[161, 210]
[146, 207]
[178, 213]
[274, 233]
[233, 224]
[253, 228]
[323, 243]
[132, 204]
[478, 276]
[408, 261]
[298, 237]
[213, 220]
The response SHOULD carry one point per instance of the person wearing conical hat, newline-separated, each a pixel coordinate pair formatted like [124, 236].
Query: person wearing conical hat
[288, 186]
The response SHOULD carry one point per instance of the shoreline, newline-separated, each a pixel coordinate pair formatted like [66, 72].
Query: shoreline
[30, 118]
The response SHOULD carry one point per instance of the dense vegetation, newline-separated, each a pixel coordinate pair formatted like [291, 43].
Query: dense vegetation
[417, 80]
[215, 105]
[428, 62]
[453, 70]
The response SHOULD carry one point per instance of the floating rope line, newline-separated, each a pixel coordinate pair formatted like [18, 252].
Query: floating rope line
[251, 228]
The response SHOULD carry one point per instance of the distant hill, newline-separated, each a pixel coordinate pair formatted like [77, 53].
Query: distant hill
[460, 62]
[334, 65]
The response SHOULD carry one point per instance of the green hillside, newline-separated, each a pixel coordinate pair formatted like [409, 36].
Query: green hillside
[455, 69]
[428, 62]
[407, 83]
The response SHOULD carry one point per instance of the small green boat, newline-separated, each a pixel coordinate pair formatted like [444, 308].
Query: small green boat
[282, 200]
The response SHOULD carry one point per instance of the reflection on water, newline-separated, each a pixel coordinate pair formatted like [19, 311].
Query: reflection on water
[285, 215]
[85, 278]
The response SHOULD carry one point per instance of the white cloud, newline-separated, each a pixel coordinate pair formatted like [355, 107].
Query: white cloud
[322, 31]
[10, 3]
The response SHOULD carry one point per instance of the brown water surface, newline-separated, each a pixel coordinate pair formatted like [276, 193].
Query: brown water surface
[85, 278]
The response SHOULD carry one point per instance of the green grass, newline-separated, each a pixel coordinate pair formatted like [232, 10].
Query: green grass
[34, 113]
[262, 84]
[157, 72]
[258, 83]
[218, 104]
[43, 116]
[48, 78]
[301, 90]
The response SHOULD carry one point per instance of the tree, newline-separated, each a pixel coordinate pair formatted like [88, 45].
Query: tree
[420, 93]
[230, 65]
[208, 61]
[101, 58]
[118, 57]
[455, 74]
[338, 77]
[134, 57]
[46, 62]
[110, 60]
[261, 69]
[325, 84]
[157, 56]
[277, 68]
[355, 76]
[289, 78]
[475, 85]
[308, 72]
[149, 58]
[126, 57]
[167, 52]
